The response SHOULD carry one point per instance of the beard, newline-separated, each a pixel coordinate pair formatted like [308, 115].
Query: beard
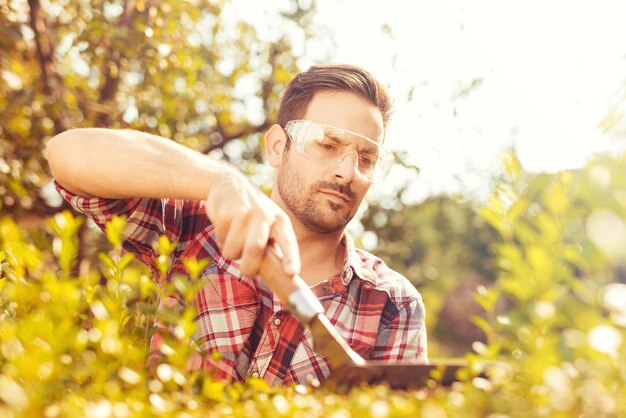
[301, 202]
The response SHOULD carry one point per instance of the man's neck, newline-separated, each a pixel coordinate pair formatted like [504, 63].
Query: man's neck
[322, 255]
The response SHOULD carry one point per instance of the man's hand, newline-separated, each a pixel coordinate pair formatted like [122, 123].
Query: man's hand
[246, 220]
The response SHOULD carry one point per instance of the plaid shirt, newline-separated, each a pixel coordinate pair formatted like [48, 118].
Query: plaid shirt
[377, 311]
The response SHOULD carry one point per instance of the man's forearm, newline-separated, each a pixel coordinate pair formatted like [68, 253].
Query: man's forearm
[124, 163]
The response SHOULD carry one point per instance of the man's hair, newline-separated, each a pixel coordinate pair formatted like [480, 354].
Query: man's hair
[333, 77]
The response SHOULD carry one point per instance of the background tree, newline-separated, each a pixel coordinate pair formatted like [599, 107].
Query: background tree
[193, 71]
[443, 246]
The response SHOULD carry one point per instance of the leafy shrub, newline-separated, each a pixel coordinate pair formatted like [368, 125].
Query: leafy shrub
[559, 350]
[76, 344]
[443, 246]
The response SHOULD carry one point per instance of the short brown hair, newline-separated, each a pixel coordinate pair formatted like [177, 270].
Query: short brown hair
[332, 77]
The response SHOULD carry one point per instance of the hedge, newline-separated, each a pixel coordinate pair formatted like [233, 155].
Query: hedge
[75, 344]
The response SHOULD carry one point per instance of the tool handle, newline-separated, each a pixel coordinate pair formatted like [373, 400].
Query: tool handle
[291, 290]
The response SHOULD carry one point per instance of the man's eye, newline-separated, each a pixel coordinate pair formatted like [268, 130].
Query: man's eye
[326, 145]
[367, 161]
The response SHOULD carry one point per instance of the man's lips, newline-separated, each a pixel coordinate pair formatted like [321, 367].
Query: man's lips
[337, 195]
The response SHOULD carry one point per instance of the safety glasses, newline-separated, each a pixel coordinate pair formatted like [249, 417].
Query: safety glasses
[331, 145]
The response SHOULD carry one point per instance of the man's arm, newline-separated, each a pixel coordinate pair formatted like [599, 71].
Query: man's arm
[123, 163]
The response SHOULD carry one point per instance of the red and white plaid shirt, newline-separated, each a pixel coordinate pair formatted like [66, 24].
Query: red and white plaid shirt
[377, 311]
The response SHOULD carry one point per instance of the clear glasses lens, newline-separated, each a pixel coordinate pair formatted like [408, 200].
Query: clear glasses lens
[332, 144]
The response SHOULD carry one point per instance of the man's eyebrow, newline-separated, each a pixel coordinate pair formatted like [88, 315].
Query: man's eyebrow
[370, 150]
[332, 136]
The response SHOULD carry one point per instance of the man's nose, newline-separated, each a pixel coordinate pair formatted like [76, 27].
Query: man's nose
[347, 167]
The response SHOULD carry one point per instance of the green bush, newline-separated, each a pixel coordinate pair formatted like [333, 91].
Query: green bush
[76, 345]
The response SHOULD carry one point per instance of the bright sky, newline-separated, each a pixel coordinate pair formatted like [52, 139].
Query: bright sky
[545, 73]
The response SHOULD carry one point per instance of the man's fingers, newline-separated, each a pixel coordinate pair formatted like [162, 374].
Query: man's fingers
[254, 247]
[234, 239]
[245, 220]
[221, 230]
[282, 233]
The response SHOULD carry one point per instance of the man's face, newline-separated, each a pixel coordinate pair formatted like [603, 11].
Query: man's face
[323, 196]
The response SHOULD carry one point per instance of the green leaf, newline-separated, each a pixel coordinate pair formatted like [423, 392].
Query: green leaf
[125, 261]
[195, 267]
[113, 230]
[482, 324]
[107, 260]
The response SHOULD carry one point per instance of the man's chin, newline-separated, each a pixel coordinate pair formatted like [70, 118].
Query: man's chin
[328, 217]
[339, 210]
[331, 224]
[327, 229]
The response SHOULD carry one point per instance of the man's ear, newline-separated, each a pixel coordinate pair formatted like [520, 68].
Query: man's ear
[275, 139]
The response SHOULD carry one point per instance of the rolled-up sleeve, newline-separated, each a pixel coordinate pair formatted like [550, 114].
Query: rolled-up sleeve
[146, 220]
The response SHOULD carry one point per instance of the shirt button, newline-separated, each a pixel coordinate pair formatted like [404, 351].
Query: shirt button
[277, 321]
[255, 374]
[325, 290]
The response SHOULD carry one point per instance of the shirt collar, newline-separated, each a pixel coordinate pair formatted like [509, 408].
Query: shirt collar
[355, 265]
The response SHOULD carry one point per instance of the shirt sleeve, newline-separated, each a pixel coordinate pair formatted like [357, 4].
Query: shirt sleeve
[403, 335]
[146, 220]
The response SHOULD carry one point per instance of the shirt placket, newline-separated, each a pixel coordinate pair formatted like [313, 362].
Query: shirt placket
[269, 340]
[272, 332]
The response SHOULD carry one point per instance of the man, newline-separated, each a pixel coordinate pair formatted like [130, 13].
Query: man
[326, 150]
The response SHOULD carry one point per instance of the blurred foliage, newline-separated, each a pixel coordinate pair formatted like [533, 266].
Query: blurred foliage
[614, 122]
[77, 345]
[444, 247]
[197, 71]
[561, 257]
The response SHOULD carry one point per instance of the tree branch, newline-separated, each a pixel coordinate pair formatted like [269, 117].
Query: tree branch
[52, 83]
[112, 68]
[266, 91]
[248, 130]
